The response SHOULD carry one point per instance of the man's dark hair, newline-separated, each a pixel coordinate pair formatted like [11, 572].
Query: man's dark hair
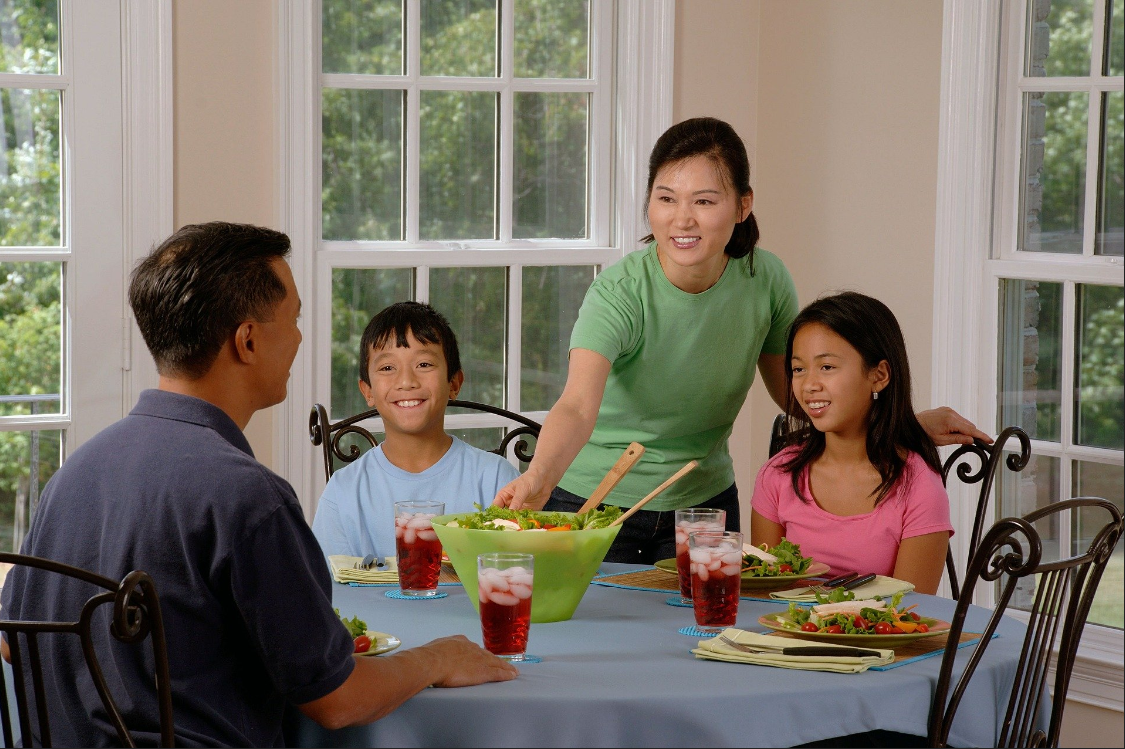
[194, 290]
[719, 143]
[426, 323]
[870, 328]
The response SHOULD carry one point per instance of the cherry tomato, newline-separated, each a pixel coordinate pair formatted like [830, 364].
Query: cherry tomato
[882, 628]
[861, 623]
[835, 629]
[922, 628]
[896, 631]
[783, 569]
[914, 616]
[809, 627]
[362, 644]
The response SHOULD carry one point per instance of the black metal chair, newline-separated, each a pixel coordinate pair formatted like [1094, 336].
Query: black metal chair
[326, 435]
[135, 617]
[1011, 552]
[989, 458]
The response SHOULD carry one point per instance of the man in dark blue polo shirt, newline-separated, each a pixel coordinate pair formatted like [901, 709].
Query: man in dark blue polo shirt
[174, 489]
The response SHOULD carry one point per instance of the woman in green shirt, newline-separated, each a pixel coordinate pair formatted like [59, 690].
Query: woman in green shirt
[664, 348]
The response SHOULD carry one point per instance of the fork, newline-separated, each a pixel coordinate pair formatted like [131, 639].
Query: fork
[367, 561]
[803, 650]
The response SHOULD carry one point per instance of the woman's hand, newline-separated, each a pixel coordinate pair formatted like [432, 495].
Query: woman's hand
[523, 493]
[947, 427]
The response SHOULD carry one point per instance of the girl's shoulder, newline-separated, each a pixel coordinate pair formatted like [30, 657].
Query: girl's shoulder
[919, 479]
[776, 464]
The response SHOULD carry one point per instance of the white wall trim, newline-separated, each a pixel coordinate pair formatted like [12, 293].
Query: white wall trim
[643, 104]
[297, 117]
[148, 158]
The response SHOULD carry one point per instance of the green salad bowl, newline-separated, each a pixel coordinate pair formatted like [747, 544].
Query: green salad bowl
[565, 561]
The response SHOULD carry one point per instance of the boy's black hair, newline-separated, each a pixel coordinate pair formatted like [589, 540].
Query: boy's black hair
[872, 330]
[199, 285]
[426, 323]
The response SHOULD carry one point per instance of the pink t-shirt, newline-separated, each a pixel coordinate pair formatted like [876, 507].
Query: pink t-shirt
[915, 506]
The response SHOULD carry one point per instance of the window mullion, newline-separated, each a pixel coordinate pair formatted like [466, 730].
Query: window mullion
[513, 360]
[1093, 156]
[506, 123]
[412, 151]
[1098, 47]
[422, 284]
[1066, 408]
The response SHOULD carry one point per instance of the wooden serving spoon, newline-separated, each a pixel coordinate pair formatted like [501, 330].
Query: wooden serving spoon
[623, 465]
[673, 479]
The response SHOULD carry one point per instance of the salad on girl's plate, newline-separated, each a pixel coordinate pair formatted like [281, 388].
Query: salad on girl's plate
[844, 620]
[366, 641]
[494, 518]
[783, 559]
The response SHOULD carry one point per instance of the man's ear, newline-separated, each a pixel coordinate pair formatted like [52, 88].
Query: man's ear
[455, 384]
[245, 342]
[367, 392]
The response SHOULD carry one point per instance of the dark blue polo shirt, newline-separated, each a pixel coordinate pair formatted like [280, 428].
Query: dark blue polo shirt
[173, 489]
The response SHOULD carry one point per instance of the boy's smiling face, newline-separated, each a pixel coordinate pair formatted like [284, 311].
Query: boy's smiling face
[410, 386]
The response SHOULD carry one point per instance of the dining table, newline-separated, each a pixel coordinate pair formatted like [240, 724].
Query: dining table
[620, 673]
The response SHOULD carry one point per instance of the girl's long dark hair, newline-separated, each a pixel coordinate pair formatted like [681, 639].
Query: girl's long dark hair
[872, 330]
[718, 141]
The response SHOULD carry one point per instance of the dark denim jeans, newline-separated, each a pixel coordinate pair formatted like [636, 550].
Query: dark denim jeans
[648, 536]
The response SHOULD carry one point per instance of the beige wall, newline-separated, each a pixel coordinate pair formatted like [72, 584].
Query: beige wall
[223, 61]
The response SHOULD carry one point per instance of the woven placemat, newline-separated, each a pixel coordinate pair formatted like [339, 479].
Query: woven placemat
[659, 580]
[447, 576]
[917, 650]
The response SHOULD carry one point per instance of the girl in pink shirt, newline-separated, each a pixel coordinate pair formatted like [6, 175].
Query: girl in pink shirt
[859, 485]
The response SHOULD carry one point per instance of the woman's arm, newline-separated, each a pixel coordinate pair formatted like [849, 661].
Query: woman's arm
[566, 429]
[921, 560]
[763, 531]
[772, 369]
[947, 427]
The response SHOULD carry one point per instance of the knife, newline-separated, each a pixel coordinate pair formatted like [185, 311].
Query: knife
[856, 582]
[839, 580]
[829, 651]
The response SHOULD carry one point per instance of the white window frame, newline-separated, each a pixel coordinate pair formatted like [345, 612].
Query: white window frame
[977, 161]
[635, 109]
[116, 153]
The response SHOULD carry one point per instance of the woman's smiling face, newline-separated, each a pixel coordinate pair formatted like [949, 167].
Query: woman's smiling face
[693, 211]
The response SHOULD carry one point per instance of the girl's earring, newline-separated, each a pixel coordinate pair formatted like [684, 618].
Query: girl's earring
[875, 396]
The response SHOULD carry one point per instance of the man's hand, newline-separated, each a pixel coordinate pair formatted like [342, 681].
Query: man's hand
[526, 492]
[468, 664]
[947, 427]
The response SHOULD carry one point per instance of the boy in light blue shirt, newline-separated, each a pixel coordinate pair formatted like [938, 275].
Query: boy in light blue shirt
[410, 369]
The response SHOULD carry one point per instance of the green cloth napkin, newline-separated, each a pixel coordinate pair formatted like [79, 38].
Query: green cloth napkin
[343, 570]
[715, 649]
[880, 587]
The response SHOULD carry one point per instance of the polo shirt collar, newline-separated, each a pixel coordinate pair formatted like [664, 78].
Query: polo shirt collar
[162, 404]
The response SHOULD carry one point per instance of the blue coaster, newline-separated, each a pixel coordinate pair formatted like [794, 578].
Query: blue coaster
[398, 595]
[677, 601]
[693, 632]
[528, 659]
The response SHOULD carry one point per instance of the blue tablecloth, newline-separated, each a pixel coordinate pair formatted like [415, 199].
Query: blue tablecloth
[619, 674]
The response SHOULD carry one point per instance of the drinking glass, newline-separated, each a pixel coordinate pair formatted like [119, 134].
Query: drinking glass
[504, 582]
[689, 521]
[417, 546]
[716, 574]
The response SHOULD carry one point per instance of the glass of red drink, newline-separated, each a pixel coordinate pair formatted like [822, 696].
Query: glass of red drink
[689, 521]
[504, 582]
[716, 574]
[418, 547]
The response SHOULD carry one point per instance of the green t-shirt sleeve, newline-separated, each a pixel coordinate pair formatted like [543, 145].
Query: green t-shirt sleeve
[783, 307]
[608, 322]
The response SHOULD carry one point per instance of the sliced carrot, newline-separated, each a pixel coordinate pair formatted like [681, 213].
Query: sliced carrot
[560, 528]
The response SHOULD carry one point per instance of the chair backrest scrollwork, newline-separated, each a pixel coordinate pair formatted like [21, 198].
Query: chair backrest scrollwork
[1011, 552]
[328, 436]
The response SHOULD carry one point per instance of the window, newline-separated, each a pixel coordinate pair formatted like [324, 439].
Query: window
[64, 364]
[463, 153]
[1029, 309]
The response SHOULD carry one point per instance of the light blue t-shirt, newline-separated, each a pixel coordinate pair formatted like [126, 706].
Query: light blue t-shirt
[356, 513]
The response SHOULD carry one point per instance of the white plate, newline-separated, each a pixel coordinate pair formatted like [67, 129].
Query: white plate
[381, 642]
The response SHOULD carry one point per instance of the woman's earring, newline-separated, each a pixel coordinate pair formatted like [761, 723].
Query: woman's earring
[875, 396]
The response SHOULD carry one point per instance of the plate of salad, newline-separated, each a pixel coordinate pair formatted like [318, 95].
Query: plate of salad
[493, 518]
[774, 566]
[367, 641]
[870, 622]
